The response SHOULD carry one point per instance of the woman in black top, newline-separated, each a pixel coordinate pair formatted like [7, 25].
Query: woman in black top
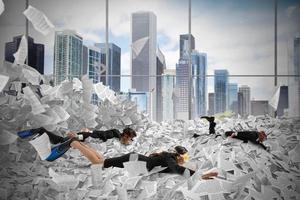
[171, 160]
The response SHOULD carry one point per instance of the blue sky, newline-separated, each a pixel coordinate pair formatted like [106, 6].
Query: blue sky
[236, 34]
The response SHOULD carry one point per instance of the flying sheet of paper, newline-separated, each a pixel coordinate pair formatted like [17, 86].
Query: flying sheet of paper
[42, 145]
[122, 193]
[209, 186]
[62, 113]
[63, 179]
[150, 188]
[21, 55]
[2, 7]
[7, 137]
[138, 46]
[3, 81]
[131, 182]
[36, 105]
[31, 75]
[39, 20]
[135, 168]
[96, 171]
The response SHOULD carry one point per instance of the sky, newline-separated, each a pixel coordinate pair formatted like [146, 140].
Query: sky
[237, 35]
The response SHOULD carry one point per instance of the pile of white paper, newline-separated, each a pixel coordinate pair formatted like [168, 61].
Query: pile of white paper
[246, 171]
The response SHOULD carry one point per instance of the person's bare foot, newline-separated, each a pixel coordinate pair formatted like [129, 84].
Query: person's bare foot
[209, 175]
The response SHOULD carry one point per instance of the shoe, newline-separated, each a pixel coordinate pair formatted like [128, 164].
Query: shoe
[59, 150]
[26, 133]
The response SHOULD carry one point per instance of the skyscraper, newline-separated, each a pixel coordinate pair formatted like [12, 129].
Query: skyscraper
[143, 55]
[182, 91]
[114, 65]
[160, 67]
[233, 97]
[93, 69]
[184, 45]
[199, 66]
[244, 101]
[168, 86]
[35, 53]
[221, 90]
[294, 81]
[182, 78]
[211, 103]
[68, 56]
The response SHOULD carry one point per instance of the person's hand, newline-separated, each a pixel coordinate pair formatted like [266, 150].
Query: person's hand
[71, 134]
[85, 130]
[268, 149]
[209, 175]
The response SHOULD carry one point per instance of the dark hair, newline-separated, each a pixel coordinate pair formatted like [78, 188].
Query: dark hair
[181, 150]
[130, 132]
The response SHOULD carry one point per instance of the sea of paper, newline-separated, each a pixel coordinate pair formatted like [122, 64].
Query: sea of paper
[245, 170]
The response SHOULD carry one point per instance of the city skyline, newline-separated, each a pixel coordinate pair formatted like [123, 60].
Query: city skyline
[227, 50]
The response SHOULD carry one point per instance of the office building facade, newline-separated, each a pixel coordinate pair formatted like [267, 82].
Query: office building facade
[143, 55]
[68, 56]
[168, 90]
[199, 67]
[221, 90]
[114, 65]
[233, 97]
[244, 103]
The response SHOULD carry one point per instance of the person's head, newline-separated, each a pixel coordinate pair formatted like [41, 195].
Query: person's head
[181, 154]
[127, 135]
[262, 136]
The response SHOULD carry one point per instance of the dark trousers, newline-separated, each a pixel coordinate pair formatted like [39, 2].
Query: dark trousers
[118, 161]
[54, 139]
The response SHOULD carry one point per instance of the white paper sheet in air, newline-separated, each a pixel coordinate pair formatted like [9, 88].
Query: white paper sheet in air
[138, 45]
[36, 105]
[2, 7]
[7, 137]
[21, 54]
[39, 20]
[135, 168]
[42, 145]
[3, 81]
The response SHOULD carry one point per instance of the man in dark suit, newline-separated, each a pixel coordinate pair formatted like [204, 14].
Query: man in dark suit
[256, 137]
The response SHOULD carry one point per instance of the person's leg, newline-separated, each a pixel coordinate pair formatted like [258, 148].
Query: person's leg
[229, 133]
[54, 139]
[116, 161]
[92, 156]
[100, 156]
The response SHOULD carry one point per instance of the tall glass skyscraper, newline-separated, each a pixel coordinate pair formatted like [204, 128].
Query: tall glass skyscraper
[221, 90]
[35, 53]
[182, 78]
[182, 91]
[244, 103]
[168, 86]
[233, 97]
[294, 82]
[68, 56]
[114, 65]
[199, 67]
[93, 68]
[143, 55]
[211, 103]
[160, 67]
